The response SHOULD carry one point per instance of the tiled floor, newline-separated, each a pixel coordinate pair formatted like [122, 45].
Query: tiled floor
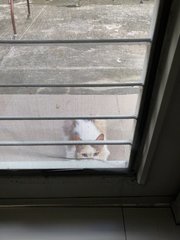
[88, 223]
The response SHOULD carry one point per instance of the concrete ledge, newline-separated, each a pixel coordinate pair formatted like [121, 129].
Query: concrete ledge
[63, 164]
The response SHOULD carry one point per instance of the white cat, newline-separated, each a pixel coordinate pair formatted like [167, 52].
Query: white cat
[87, 130]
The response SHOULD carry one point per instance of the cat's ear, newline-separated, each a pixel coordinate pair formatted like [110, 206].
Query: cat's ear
[100, 137]
[75, 137]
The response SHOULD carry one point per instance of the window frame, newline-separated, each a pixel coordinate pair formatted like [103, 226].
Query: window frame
[144, 111]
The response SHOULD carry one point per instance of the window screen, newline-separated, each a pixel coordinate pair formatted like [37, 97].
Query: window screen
[71, 79]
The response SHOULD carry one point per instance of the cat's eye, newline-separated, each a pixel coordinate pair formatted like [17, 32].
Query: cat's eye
[96, 153]
[84, 155]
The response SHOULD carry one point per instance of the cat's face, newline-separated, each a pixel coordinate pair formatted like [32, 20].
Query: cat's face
[88, 151]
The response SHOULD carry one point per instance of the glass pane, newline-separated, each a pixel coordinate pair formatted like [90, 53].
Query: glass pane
[78, 19]
[112, 75]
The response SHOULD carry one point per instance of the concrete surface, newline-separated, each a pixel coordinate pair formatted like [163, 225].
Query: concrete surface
[81, 63]
[78, 19]
[61, 105]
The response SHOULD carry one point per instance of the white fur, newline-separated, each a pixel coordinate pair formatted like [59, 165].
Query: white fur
[86, 130]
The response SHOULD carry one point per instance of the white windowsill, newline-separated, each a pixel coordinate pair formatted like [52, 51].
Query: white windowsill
[66, 164]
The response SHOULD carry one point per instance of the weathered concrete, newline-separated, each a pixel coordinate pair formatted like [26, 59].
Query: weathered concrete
[75, 64]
